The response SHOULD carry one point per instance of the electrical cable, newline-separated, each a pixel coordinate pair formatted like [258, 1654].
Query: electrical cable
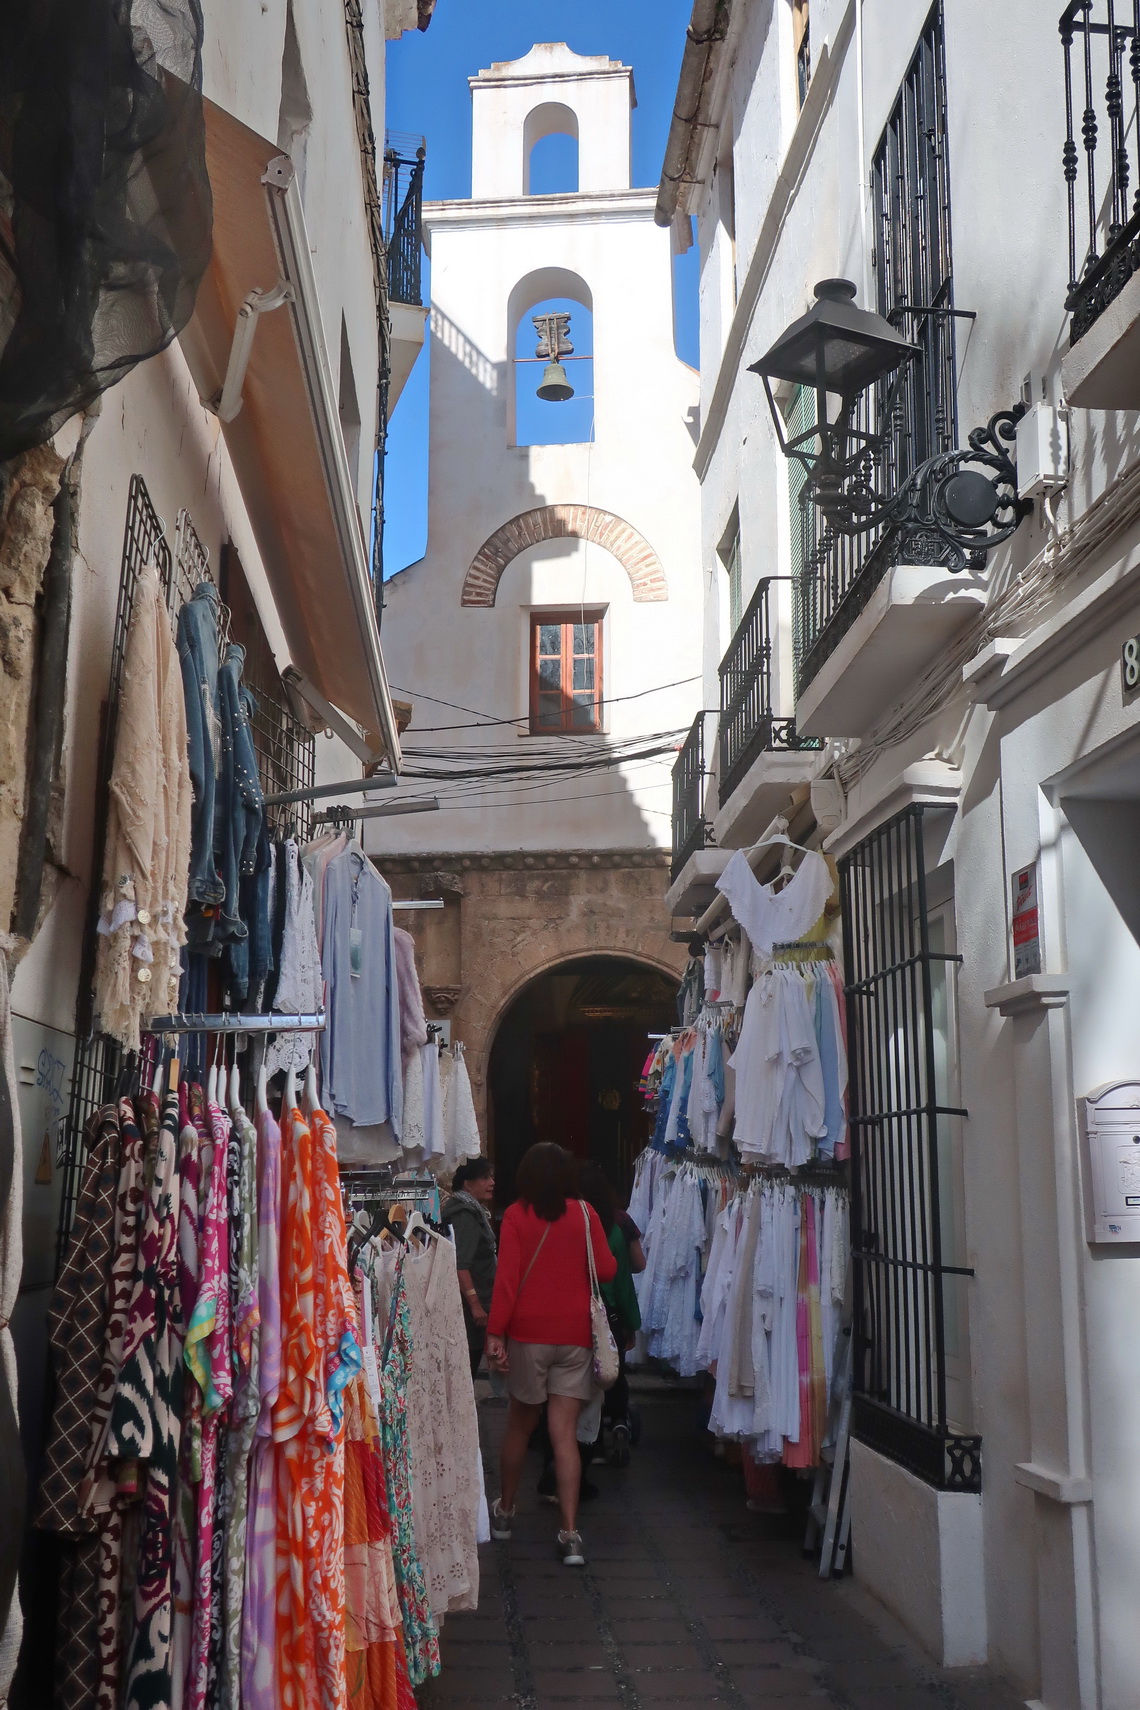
[489, 721]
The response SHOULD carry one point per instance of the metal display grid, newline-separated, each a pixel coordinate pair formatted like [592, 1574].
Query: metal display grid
[286, 758]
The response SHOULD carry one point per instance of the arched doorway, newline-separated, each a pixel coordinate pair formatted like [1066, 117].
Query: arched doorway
[566, 1062]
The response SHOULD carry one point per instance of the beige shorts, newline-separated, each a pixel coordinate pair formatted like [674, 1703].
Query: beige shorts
[539, 1369]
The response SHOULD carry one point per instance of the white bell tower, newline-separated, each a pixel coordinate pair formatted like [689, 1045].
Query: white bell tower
[602, 531]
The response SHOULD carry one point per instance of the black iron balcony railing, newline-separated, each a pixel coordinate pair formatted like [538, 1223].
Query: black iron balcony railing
[747, 726]
[403, 217]
[691, 829]
[1101, 41]
[914, 289]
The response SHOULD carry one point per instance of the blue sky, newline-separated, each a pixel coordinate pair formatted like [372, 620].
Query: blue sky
[427, 94]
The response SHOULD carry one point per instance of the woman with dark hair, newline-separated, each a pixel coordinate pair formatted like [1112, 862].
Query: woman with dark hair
[624, 1239]
[468, 1214]
[539, 1328]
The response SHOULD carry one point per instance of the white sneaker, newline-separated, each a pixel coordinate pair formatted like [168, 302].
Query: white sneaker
[571, 1549]
[501, 1519]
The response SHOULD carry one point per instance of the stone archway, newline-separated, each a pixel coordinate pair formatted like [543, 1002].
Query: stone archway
[558, 522]
[509, 917]
[566, 1058]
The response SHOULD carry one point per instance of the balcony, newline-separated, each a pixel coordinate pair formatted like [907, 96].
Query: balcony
[403, 245]
[1102, 55]
[761, 754]
[694, 868]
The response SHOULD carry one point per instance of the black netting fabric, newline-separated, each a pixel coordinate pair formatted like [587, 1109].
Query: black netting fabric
[105, 209]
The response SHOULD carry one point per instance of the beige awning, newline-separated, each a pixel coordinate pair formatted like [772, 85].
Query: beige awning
[286, 442]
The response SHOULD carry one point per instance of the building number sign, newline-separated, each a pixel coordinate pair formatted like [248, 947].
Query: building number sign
[1130, 664]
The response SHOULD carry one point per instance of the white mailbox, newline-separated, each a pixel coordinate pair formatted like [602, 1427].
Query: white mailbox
[1111, 1129]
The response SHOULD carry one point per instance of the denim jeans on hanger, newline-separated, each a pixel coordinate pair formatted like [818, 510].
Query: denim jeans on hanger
[239, 808]
[198, 656]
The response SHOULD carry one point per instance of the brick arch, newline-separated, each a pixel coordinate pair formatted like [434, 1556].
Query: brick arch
[558, 522]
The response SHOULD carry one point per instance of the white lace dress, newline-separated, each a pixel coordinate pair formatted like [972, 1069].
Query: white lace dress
[443, 1431]
[299, 986]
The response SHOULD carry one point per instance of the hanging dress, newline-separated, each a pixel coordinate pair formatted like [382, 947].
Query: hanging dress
[442, 1425]
[421, 1635]
[259, 1623]
[293, 1411]
[77, 1326]
[245, 1406]
[146, 1415]
[207, 1358]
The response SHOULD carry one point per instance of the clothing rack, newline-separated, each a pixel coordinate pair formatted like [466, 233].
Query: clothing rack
[343, 815]
[230, 1021]
[320, 792]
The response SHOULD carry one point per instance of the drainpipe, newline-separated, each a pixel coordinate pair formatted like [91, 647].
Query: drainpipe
[707, 29]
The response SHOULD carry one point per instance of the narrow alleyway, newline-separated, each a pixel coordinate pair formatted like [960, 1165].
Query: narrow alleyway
[687, 1598]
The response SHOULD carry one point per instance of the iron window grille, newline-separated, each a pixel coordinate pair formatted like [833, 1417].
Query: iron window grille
[913, 265]
[1102, 35]
[747, 725]
[285, 750]
[691, 830]
[403, 216]
[901, 1280]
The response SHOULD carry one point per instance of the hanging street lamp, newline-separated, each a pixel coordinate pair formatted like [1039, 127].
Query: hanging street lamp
[956, 506]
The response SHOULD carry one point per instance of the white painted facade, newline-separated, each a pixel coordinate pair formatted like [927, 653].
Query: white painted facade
[493, 258]
[1031, 754]
[153, 423]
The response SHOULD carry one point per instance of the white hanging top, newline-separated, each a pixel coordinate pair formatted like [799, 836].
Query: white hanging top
[771, 917]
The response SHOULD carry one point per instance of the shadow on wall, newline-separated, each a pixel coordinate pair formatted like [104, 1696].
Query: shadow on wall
[566, 1065]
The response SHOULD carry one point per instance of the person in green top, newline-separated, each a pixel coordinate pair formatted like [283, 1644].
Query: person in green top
[620, 1297]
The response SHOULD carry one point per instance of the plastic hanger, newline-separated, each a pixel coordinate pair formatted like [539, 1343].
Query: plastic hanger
[159, 1074]
[212, 1077]
[289, 1096]
[234, 1100]
[261, 1096]
[312, 1098]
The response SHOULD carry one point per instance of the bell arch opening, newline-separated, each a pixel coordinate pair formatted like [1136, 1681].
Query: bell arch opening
[531, 420]
[550, 150]
[566, 1060]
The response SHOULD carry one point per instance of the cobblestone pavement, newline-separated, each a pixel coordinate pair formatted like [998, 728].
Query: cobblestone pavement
[687, 1598]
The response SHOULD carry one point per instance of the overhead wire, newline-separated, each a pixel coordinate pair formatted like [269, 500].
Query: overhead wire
[489, 721]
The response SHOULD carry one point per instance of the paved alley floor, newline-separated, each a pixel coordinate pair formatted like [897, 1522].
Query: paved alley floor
[687, 1598]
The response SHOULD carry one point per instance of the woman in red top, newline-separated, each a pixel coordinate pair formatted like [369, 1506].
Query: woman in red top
[538, 1328]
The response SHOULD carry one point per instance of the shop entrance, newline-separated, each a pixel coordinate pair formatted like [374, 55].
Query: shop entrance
[567, 1061]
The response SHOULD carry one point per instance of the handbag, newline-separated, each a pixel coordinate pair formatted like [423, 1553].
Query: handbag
[607, 1363]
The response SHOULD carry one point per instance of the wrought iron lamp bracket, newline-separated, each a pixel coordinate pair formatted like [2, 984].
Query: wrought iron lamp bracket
[952, 510]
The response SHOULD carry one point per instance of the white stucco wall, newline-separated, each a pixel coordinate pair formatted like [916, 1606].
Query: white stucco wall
[638, 467]
[1050, 1387]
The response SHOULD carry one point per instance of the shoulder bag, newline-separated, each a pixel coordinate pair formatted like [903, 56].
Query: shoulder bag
[607, 1363]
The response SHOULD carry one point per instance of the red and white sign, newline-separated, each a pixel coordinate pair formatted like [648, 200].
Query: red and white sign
[1026, 923]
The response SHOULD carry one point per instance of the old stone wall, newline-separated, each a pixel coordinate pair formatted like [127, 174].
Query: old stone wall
[510, 917]
[28, 486]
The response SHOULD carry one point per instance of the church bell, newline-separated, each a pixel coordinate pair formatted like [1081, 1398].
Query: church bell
[555, 387]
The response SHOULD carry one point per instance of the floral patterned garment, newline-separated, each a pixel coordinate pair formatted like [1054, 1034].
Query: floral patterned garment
[442, 1426]
[98, 1493]
[246, 1317]
[338, 1361]
[190, 1141]
[146, 1421]
[298, 1398]
[421, 1635]
[377, 1669]
[259, 1621]
[208, 1357]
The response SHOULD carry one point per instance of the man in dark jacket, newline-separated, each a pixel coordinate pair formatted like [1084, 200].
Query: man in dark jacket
[467, 1212]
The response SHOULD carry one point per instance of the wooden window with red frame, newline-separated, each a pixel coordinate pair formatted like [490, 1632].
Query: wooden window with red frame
[565, 673]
